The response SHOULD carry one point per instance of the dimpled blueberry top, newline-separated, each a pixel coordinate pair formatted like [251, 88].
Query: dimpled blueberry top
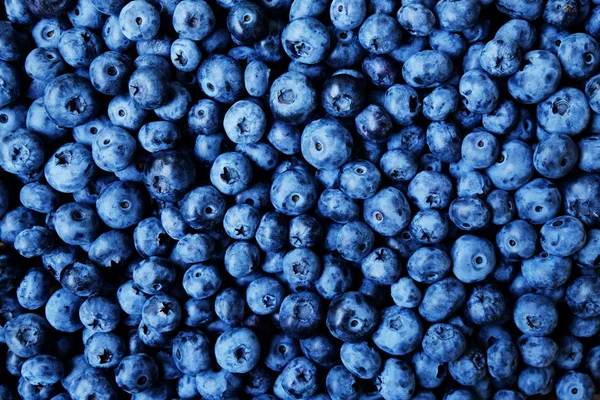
[299, 199]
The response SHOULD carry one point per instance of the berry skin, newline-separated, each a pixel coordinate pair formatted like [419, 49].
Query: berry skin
[277, 199]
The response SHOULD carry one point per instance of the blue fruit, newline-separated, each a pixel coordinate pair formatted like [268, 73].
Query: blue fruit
[535, 315]
[326, 144]
[293, 192]
[539, 78]
[399, 332]
[443, 342]
[292, 98]
[502, 359]
[380, 34]
[305, 40]
[566, 112]
[469, 368]
[569, 231]
[237, 350]
[440, 103]
[457, 16]
[301, 314]
[473, 258]
[396, 380]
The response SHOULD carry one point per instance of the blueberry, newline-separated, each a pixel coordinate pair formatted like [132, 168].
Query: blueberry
[305, 231]
[381, 266]
[427, 69]
[113, 149]
[79, 46]
[193, 248]
[417, 19]
[578, 200]
[579, 55]
[517, 240]
[293, 192]
[326, 144]
[457, 16]
[352, 317]
[81, 279]
[264, 296]
[256, 78]
[304, 8]
[335, 278]
[237, 350]
[292, 98]
[380, 34]
[355, 241]
[125, 112]
[402, 103]
[121, 205]
[161, 313]
[25, 335]
[360, 359]
[566, 112]
[538, 201]
[168, 175]
[22, 152]
[530, 10]
[479, 92]
[359, 179]
[215, 385]
[341, 383]
[581, 298]
[538, 78]
[469, 368]
[241, 258]
[104, 350]
[504, 117]
[343, 95]
[10, 89]
[502, 359]
[300, 314]
[569, 231]
[440, 103]
[299, 378]
[34, 290]
[473, 258]
[44, 64]
[379, 69]
[534, 381]
[575, 385]
[34, 242]
[443, 342]
[305, 40]
[244, 122]
[396, 380]
[399, 332]
[537, 352]
[588, 148]
[247, 22]
[516, 157]
[136, 373]
[347, 15]
[561, 13]
[430, 189]
[231, 173]
[42, 370]
[224, 87]
[282, 350]
[70, 100]
[535, 315]
[229, 306]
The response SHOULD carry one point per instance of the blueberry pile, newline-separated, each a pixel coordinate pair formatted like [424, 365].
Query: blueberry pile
[299, 199]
